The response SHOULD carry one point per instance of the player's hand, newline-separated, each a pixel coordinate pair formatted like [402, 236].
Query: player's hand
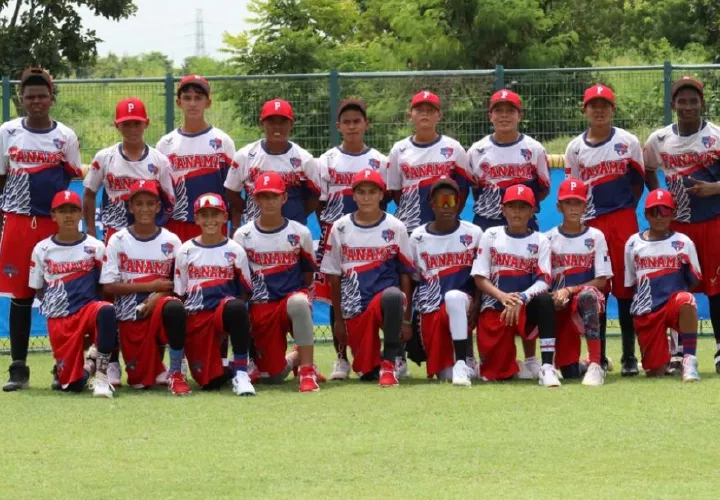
[703, 189]
[340, 332]
[406, 332]
[561, 298]
[161, 286]
[511, 315]
[149, 305]
[511, 299]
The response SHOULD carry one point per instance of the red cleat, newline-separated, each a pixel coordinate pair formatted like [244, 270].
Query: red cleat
[387, 375]
[308, 379]
[177, 385]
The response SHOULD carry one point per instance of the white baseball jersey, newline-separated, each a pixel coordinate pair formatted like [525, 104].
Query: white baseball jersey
[412, 170]
[115, 173]
[66, 274]
[612, 169]
[199, 165]
[296, 166]
[337, 169]
[368, 259]
[206, 275]
[658, 269]
[278, 259]
[129, 259]
[443, 262]
[578, 258]
[513, 263]
[687, 156]
[497, 166]
[38, 164]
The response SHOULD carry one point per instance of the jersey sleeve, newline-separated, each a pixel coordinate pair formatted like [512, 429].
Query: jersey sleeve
[404, 256]
[73, 162]
[651, 154]
[111, 270]
[228, 154]
[100, 252]
[181, 274]
[481, 265]
[312, 175]
[331, 263]
[630, 276]
[167, 190]
[603, 265]
[96, 173]
[572, 168]
[323, 174]
[242, 270]
[237, 175]
[307, 252]
[394, 179]
[694, 274]
[37, 279]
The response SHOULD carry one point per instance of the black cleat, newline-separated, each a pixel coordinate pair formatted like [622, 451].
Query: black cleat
[55, 384]
[675, 365]
[630, 367]
[19, 377]
[717, 362]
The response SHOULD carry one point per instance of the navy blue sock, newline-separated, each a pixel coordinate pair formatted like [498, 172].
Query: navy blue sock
[176, 357]
[689, 343]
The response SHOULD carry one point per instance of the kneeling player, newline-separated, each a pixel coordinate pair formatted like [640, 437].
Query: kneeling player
[512, 270]
[65, 269]
[580, 269]
[443, 252]
[367, 261]
[282, 264]
[211, 272]
[138, 271]
[663, 267]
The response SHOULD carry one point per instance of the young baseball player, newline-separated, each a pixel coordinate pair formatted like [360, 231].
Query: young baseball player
[282, 265]
[38, 158]
[338, 166]
[64, 270]
[211, 273]
[687, 152]
[138, 272]
[443, 253]
[580, 269]
[199, 153]
[116, 168]
[505, 158]
[512, 270]
[368, 263]
[663, 267]
[274, 153]
[609, 161]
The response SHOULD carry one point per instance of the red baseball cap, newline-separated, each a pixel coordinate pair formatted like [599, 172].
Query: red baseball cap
[132, 109]
[505, 95]
[425, 96]
[659, 198]
[66, 198]
[572, 189]
[519, 192]
[599, 91]
[269, 182]
[277, 107]
[144, 186]
[194, 80]
[209, 200]
[368, 175]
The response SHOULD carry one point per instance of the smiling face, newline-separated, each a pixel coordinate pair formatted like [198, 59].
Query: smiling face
[688, 104]
[211, 220]
[144, 207]
[277, 129]
[505, 118]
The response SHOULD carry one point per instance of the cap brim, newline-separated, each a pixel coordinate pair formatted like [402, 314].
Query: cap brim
[202, 85]
[688, 85]
[505, 202]
[139, 191]
[659, 204]
[131, 119]
[265, 117]
[444, 185]
[425, 101]
[364, 181]
[219, 209]
[72, 204]
[269, 190]
[572, 197]
[513, 104]
[596, 97]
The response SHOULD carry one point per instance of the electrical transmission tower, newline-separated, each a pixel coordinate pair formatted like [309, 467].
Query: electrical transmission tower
[199, 33]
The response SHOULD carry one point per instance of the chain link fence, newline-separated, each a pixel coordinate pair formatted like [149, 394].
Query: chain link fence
[551, 101]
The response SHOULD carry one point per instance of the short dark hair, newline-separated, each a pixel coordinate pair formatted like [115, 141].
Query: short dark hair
[352, 107]
[194, 86]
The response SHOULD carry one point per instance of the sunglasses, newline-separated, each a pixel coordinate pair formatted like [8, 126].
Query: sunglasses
[659, 211]
[445, 200]
[210, 202]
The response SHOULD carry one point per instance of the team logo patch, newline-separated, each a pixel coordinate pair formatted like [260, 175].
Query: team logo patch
[59, 143]
[230, 256]
[708, 141]
[533, 248]
[677, 245]
[374, 163]
[388, 235]
[216, 143]
[446, 152]
[621, 148]
[152, 168]
[295, 162]
[526, 153]
[590, 243]
[167, 248]
[10, 270]
[89, 250]
[293, 239]
[466, 239]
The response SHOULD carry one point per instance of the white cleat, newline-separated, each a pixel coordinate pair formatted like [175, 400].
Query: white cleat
[114, 374]
[690, 369]
[461, 374]
[401, 368]
[242, 385]
[101, 387]
[341, 370]
[548, 376]
[594, 376]
[529, 369]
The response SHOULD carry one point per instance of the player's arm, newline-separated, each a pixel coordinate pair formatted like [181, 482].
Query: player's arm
[110, 277]
[36, 280]
[307, 257]
[653, 162]
[331, 267]
[312, 185]
[167, 189]
[481, 273]
[4, 163]
[542, 272]
[89, 197]
[394, 179]
[234, 184]
[693, 274]
[92, 183]
[463, 177]
[543, 174]
[630, 276]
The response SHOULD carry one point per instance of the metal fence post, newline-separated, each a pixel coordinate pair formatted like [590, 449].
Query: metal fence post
[5, 98]
[667, 78]
[499, 77]
[334, 101]
[169, 103]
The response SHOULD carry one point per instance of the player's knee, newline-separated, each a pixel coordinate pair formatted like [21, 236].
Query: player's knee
[392, 297]
[456, 299]
[173, 308]
[22, 302]
[298, 304]
[544, 302]
[235, 308]
[107, 313]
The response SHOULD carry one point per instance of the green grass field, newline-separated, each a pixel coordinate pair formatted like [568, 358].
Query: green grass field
[632, 438]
